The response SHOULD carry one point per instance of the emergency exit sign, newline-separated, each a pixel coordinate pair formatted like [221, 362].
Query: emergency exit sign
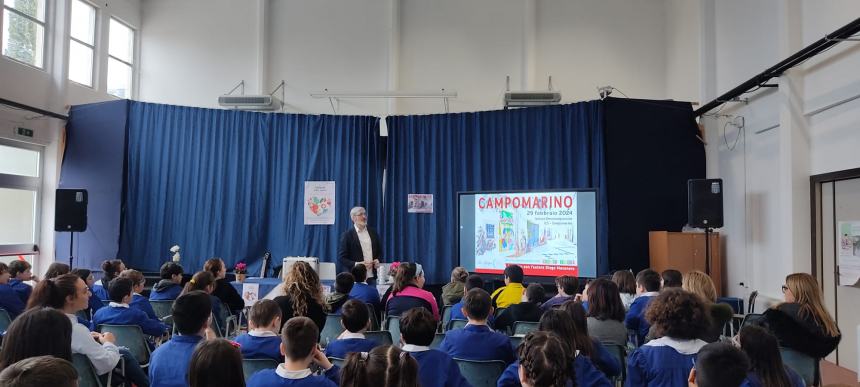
[24, 132]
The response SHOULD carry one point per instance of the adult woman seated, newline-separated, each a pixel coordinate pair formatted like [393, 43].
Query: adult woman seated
[302, 295]
[223, 289]
[802, 323]
[407, 292]
[700, 284]
[606, 313]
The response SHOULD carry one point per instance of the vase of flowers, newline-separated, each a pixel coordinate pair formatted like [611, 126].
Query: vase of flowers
[241, 270]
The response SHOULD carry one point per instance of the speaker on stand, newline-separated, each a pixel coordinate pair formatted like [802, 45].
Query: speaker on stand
[705, 210]
[71, 215]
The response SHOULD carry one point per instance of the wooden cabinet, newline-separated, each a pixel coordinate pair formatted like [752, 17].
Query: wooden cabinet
[685, 251]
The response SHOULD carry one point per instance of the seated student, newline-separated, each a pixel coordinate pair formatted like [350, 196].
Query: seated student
[170, 285]
[678, 317]
[544, 362]
[216, 363]
[299, 346]
[647, 286]
[460, 343]
[407, 292]
[626, 286]
[70, 294]
[20, 271]
[384, 366]
[435, 368]
[720, 365]
[94, 303]
[670, 278]
[567, 286]
[168, 365]
[587, 345]
[355, 318]
[40, 371]
[138, 301]
[205, 282]
[57, 269]
[523, 311]
[37, 332]
[512, 292]
[606, 313]
[9, 298]
[452, 292]
[226, 293]
[579, 368]
[700, 284]
[110, 270]
[361, 290]
[766, 367]
[119, 312]
[474, 281]
[262, 341]
[342, 286]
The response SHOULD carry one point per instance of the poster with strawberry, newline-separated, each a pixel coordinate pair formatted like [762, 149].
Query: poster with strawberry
[319, 202]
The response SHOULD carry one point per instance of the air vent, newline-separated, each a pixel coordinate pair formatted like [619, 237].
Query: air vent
[250, 102]
[531, 98]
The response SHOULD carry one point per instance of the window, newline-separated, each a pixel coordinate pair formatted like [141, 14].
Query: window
[120, 60]
[20, 195]
[24, 31]
[82, 43]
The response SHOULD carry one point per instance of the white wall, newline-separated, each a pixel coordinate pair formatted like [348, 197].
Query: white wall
[49, 89]
[413, 45]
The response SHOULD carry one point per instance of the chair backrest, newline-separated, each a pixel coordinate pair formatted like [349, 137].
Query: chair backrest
[751, 305]
[87, 376]
[331, 330]
[455, 324]
[337, 361]
[446, 315]
[437, 340]
[498, 312]
[481, 373]
[163, 310]
[515, 341]
[620, 353]
[130, 336]
[381, 337]
[374, 318]
[250, 366]
[392, 325]
[806, 366]
[5, 320]
[524, 327]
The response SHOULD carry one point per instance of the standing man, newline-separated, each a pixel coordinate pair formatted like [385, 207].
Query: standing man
[360, 245]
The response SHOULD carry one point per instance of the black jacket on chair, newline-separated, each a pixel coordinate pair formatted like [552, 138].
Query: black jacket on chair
[349, 248]
[800, 334]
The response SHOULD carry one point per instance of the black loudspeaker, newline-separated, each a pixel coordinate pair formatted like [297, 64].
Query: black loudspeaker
[705, 203]
[71, 210]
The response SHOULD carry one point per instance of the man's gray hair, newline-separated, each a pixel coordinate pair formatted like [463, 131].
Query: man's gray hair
[355, 211]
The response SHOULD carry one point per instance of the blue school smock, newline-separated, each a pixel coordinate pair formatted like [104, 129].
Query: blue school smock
[491, 345]
[260, 347]
[660, 363]
[604, 360]
[635, 317]
[437, 368]
[265, 378]
[365, 293]
[340, 348]
[22, 289]
[142, 304]
[120, 315]
[586, 374]
[11, 301]
[170, 293]
[457, 314]
[168, 365]
[794, 378]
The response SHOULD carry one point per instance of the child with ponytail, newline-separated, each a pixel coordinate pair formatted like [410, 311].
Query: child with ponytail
[384, 366]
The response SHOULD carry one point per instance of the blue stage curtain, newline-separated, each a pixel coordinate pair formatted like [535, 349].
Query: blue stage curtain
[229, 184]
[93, 160]
[553, 147]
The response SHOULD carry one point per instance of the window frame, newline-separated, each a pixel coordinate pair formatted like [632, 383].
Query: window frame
[134, 57]
[28, 183]
[93, 66]
[45, 34]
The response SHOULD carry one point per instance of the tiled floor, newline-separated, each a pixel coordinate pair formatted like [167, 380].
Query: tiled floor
[834, 375]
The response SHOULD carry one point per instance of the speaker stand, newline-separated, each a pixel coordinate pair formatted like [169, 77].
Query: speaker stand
[71, 250]
[708, 232]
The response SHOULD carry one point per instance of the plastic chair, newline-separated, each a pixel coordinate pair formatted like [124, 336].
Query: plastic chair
[456, 324]
[5, 320]
[498, 312]
[446, 316]
[481, 373]
[524, 327]
[250, 366]
[437, 340]
[381, 337]
[337, 361]
[620, 353]
[392, 325]
[806, 366]
[87, 376]
[131, 337]
[751, 304]
[331, 330]
[163, 310]
[751, 318]
[515, 341]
